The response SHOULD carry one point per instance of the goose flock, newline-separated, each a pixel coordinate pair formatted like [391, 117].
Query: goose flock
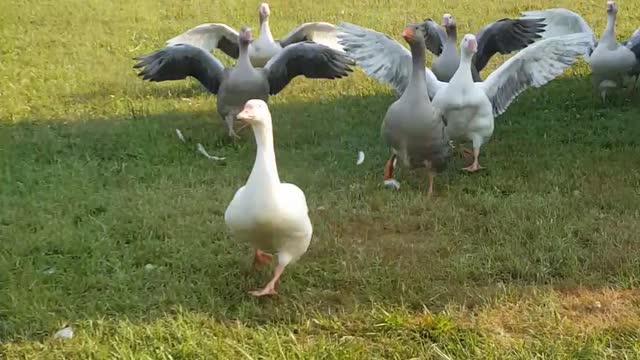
[446, 103]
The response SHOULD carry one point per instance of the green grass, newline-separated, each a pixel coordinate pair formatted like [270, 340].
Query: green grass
[536, 257]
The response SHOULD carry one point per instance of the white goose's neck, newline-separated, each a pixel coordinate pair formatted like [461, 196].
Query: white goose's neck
[464, 70]
[609, 34]
[265, 171]
[265, 31]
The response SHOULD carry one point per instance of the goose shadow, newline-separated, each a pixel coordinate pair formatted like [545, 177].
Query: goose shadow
[144, 197]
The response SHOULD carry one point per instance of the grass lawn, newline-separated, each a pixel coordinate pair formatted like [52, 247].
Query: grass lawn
[110, 224]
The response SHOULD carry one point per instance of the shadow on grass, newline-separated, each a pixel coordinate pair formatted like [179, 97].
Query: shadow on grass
[117, 217]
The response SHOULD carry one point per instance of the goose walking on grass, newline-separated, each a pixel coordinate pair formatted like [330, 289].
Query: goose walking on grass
[412, 127]
[270, 215]
[220, 36]
[469, 107]
[235, 86]
[503, 36]
[611, 62]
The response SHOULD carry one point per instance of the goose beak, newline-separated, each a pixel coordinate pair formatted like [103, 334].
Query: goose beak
[264, 10]
[473, 45]
[446, 20]
[408, 33]
[245, 115]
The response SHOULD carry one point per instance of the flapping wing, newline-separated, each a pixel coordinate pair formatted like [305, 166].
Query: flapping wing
[560, 22]
[210, 37]
[381, 57]
[319, 32]
[312, 60]
[505, 36]
[534, 66]
[435, 36]
[633, 44]
[179, 61]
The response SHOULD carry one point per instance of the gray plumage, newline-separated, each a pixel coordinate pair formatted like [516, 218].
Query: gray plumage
[377, 54]
[634, 45]
[235, 86]
[412, 127]
[503, 36]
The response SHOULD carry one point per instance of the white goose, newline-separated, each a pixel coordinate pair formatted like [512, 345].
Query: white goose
[270, 215]
[220, 36]
[611, 62]
[469, 107]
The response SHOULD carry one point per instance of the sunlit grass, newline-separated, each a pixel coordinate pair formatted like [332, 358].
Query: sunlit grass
[536, 257]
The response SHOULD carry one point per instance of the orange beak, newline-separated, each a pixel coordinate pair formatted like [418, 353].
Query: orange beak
[408, 33]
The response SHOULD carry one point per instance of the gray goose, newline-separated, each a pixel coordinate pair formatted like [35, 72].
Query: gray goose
[212, 36]
[503, 36]
[236, 85]
[412, 127]
[469, 107]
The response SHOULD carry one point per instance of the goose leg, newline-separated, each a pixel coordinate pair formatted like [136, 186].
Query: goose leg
[634, 82]
[467, 153]
[261, 258]
[388, 168]
[475, 166]
[389, 181]
[432, 177]
[270, 288]
[230, 120]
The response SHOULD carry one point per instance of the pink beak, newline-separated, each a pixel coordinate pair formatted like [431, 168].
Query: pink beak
[473, 45]
[244, 114]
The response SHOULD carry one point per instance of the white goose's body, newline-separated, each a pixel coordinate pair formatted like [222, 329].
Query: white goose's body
[264, 47]
[467, 109]
[270, 215]
[611, 62]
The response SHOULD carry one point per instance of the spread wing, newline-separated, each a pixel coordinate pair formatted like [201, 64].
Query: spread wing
[382, 58]
[210, 37]
[534, 66]
[435, 37]
[505, 36]
[180, 61]
[309, 59]
[319, 32]
[560, 22]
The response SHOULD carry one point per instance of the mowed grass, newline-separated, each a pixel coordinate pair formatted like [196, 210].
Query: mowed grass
[110, 224]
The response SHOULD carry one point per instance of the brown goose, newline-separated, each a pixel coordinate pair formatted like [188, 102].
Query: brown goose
[220, 36]
[413, 129]
[237, 85]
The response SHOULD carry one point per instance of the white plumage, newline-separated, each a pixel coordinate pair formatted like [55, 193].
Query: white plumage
[211, 36]
[611, 62]
[270, 215]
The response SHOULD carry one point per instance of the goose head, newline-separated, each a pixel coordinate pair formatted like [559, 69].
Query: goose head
[244, 35]
[414, 34]
[448, 22]
[255, 113]
[612, 8]
[469, 45]
[264, 12]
